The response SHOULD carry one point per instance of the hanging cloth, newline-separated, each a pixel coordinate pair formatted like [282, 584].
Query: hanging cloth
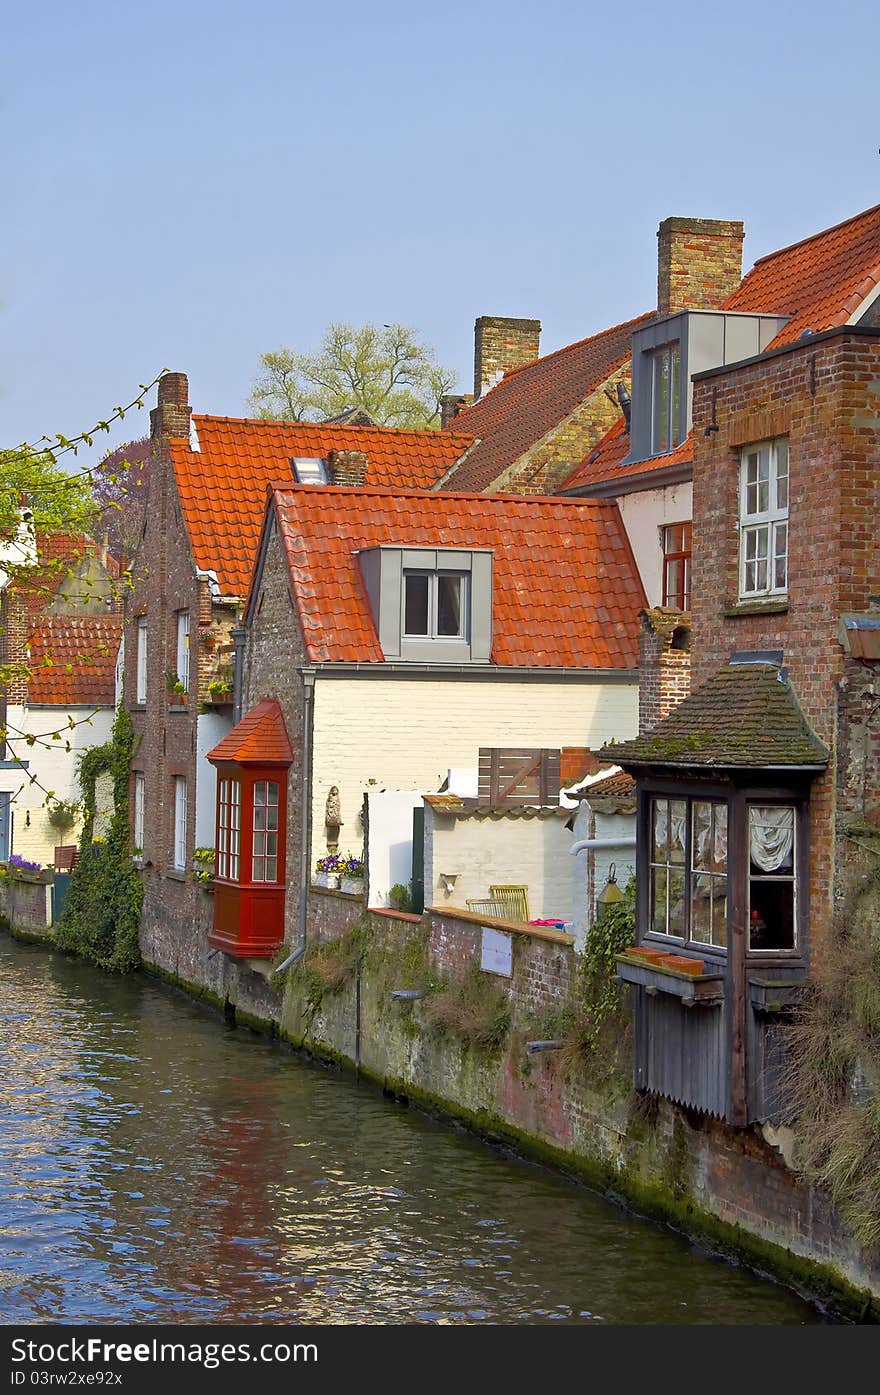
[771, 836]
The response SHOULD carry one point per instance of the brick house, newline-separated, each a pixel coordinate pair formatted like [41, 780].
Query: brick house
[707, 317]
[61, 617]
[189, 580]
[750, 791]
[389, 636]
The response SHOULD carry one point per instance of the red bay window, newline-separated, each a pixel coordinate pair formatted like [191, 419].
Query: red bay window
[251, 824]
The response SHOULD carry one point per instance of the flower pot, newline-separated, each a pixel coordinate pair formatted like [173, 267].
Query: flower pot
[353, 885]
[330, 880]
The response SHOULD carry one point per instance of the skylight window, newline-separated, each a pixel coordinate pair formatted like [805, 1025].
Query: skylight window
[309, 469]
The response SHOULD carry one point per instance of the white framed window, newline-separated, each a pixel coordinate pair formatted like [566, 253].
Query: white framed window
[265, 851]
[179, 823]
[665, 398]
[763, 519]
[183, 648]
[139, 803]
[142, 658]
[229, 830]
[435, 605]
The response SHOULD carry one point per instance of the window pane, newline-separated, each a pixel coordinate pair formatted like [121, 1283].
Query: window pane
[701, 909]
[719, 911]
[771, 914]
[660, 827]
[782, 474]
[448, 604]
[271, 844]
[677, 827]
[658, 900]
[272, 816]
[660, 413]
[780, 556]
[676, 903]
[675, 589]
[675, 398]
[259, 844]
[415, 621]
[271, 869]
[771, 840]
[701, 835]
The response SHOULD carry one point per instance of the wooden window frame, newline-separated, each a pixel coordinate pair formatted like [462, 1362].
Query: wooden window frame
[683, 555]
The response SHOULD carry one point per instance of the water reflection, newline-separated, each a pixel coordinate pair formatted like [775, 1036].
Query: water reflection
[156, 1167]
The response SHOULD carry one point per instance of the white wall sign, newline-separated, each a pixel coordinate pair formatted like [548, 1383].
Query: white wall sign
[497, 952]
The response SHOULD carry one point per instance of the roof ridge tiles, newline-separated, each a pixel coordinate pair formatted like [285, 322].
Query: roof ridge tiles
[329, 426]
[324, 491]
[823, 232]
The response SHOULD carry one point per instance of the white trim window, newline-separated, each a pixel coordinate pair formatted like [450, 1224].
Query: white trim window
[179, 823]
[229, 826]
[139, 806]
[142, 658]
[763, 520]
[183, 648]
[435, 605]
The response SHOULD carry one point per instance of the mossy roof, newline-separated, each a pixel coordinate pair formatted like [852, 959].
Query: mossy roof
[745, 717]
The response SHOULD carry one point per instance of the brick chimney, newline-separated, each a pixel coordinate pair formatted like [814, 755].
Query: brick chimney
[664, 664]
[699, 263]
[451, 405]
[499, 345]
[348, 467]
[171, 415]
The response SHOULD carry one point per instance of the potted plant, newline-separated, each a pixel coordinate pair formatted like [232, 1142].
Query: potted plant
[328, 871]
[203, 866]
[176, 686]
[220, 690]
[22, 870]
[353, 875]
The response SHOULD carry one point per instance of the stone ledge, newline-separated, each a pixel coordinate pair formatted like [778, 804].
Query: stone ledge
[512, 927]
[391, 914]
[755, 608]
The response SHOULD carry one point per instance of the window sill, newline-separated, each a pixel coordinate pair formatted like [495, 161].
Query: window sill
[178, 707]
[174, 875]
[691, 989]
[775, 997]
[138, 707]
[772, 606]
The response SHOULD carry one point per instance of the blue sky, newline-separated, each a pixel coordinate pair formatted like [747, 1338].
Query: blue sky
[187, 185]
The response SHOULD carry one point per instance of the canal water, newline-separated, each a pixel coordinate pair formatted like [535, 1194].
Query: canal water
[157, 1166]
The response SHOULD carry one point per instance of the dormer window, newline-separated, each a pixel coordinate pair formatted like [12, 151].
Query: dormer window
[665, 398]
[435, 605]
[430, 604]
[763, 519]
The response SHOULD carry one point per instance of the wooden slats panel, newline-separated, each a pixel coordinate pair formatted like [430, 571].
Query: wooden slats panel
[512, 777]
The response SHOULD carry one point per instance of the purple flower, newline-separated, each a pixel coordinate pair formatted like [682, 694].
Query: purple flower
[22, 865]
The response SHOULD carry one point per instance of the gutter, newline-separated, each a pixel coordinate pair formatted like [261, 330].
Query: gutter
[502, 673]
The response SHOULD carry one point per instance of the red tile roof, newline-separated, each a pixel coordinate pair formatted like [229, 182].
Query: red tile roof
[222, 485]
[73, 660]
[820, 282]
[260, 738]
[566, 591]
[527, 403]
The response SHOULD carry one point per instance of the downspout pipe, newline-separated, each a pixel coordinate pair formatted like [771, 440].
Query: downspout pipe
[585, 843]
[308, 681]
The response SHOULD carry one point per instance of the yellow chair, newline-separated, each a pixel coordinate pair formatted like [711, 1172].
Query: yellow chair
[514, 899]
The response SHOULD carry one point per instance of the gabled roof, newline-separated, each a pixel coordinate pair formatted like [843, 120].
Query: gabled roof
[260, 738]
[820, 283]
[222, 484]
[745, 717]
[73, 660]
[566, 591]
[529, 402]
[59, 556]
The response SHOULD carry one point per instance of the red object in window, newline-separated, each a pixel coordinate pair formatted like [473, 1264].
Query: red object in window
[251, 829]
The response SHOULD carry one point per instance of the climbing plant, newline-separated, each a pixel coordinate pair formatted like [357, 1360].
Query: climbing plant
[594, 1025]
[103, 910]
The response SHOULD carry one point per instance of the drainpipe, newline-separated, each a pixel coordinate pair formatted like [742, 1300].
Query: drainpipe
[601, 843]
[308, 680]
[237, 636]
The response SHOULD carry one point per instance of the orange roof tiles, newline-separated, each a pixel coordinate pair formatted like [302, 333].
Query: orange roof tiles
[526, 404]
[260, 738]
[566, 591]
[820, 282]
[73, 660]
[222, 484]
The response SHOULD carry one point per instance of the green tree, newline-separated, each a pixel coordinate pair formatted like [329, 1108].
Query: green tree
[385, 371]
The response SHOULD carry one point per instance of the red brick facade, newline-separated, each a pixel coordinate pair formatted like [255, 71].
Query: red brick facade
[822, 394]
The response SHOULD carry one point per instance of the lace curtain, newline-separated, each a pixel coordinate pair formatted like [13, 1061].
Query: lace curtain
[771, 837]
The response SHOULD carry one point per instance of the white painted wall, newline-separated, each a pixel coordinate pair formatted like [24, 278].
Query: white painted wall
[211, 727]
[389, 852]
[377, 734]
[644, 514]
[504, 850]
[55, 768]
[591, 867]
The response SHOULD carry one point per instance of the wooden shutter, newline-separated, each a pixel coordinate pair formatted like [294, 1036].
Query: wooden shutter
[512, 777]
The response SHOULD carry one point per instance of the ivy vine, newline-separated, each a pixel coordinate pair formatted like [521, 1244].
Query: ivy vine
[103, 911]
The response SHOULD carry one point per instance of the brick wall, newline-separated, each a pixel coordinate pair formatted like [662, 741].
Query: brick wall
[664, 664]
[825, 397]
[542, 468]
[501, 344]
[699, 263]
